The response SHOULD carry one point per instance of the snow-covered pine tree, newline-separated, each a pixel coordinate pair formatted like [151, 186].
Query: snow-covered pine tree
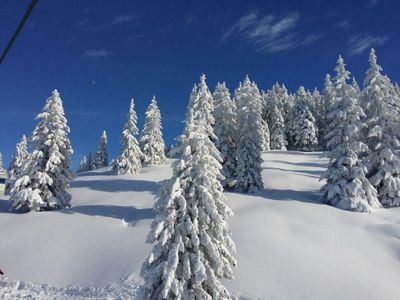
[129, 159]
[101, 158]
[193, 249]
[225, 130]
[205, 96]
[302, 130]
[278, 100]
[277, 129]
[83, 165]
[383, 163]
[283, 100]
[319, 114]
[265, 144]
[176, 150]
[90, 161]
[201, 94]
[276, 96]
[16, 166]
[265, 97]
[265, 137]
[346, 185]
[395, 91]
[328, 99]
[397, 88]
[2, 170]
[47, 171]
[151, 140]
[310, 99]
[249, 138]
[356, 87]
[317, 104]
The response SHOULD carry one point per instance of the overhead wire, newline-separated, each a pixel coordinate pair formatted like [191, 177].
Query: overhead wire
[18, 30]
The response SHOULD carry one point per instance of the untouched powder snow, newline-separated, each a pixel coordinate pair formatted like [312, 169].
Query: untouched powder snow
[289, 245]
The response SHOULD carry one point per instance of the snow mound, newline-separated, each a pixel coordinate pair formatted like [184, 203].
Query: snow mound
[10, 290]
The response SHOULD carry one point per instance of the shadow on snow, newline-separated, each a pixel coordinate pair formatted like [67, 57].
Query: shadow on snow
[311, 196]
[118, 185]
[323, 164]
[309, 173]
[129, 213]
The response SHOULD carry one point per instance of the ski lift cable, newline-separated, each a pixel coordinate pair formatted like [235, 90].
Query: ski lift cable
[18, 30]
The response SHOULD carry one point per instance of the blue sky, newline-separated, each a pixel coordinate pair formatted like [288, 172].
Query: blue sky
[98, 54]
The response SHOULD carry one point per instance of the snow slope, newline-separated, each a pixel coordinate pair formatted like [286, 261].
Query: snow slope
[289, 245]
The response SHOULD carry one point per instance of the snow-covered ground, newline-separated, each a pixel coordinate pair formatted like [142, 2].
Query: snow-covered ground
[289, 245]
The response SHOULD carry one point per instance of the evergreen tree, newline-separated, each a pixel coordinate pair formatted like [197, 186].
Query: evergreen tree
[318, 104]
[346, 185]
[90, 162]
[83, 165]
[193, 249]
[225, 130]
[283, 101]
[151, 140]
[302, 130]
[16, 166]
[129, 160]
[381, 118]
[101, 159]
[203, 95]
[180, 140]
[249, 138]
[319, 114]
[2, 170]
[277, 129]
[356, 87]
[397, 88]
[265, 144]
[46, 173]
[266, 107]
[176, 149]
[277, 99]
[276, 96]
[328, 99]
[395, 91]
[265, 137]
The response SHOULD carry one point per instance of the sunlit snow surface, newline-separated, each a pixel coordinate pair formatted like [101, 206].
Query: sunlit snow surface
[289, 245]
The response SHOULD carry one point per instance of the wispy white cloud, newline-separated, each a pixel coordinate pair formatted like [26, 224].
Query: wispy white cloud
[269, 33]
[115, 21]
[361, 42]
[121, 19]
[70, 41]
[343, 25]
[96, 53]
[189, 19]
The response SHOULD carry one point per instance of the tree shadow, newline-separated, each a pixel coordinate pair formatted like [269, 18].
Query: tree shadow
[307, 196]
[309, 173]
[118, 185]
[95, 173]
[296, 153]
[303, 164]
[129, 214]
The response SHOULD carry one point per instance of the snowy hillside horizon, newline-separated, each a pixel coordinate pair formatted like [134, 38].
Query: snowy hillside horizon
[289, 244]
